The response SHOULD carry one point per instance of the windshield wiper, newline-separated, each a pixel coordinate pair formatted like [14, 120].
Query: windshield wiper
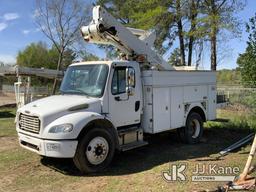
[74, 91]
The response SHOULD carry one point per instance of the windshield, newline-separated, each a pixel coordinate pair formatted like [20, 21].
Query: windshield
[85, 79]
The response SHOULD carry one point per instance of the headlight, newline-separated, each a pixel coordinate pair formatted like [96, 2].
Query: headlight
[63, 128]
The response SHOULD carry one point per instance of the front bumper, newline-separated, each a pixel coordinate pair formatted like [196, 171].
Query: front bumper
[49, 148]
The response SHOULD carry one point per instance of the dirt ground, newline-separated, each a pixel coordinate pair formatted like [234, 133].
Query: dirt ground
[137, 170]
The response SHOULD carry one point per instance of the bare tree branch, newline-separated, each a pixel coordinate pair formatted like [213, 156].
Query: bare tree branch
[60, 21]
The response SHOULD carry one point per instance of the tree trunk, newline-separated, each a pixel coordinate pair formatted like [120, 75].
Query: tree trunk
[182, 46]
[190, 50]
[192, 29]
[58, 69]
[200, 53]
[213, 53]
[213, 36]
[180, 33]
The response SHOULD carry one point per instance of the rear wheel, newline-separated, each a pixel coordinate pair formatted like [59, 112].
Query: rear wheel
[193, 131]
[95, 151]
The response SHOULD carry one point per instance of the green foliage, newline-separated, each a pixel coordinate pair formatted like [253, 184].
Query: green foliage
[247, 66]
[174, 59]
[151, 14]
[68, 57]
[228, 77]
[89, 57]
[34, 55]
[251, 29]
[238, 120]
[220, 14]
[245, 98]
[249, 100]
[38, 55]
[198, 19]
[247, 60]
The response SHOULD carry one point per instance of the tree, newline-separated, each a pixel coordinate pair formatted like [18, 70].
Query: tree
[35, 55]
[228, 77]
[192, 34]
[247, 60]
[38, 55]
[185, 12]
[220, 17]
[167, 18]
[190, 22]
[175, 58]
[68, 57]
[178, 19]
[144, 15]
[60, 21]
[89, 57]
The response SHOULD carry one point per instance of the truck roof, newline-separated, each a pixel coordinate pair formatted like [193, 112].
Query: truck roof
[98, 62]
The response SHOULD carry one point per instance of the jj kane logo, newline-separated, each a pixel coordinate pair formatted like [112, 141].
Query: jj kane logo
[175, 173]
[201, 172]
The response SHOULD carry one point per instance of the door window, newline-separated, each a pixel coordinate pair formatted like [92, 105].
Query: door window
[119, 83]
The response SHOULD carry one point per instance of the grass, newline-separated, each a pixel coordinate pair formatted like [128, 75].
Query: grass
[236, 120]
[246, 98]
[136, 170]
[7, 127]
[13, 157]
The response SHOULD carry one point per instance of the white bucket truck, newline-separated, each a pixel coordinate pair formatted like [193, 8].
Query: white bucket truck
[106, 106]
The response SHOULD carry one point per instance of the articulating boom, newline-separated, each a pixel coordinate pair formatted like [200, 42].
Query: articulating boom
[134, 43]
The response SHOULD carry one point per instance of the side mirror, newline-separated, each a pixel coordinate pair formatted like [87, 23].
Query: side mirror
[130, 81]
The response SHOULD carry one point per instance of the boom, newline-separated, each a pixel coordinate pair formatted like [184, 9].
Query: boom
[134, 43]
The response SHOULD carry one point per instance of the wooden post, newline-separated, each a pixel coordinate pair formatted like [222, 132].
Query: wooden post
[249, 160]
[1, 84]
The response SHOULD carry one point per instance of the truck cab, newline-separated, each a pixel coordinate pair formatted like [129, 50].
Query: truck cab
[100, 95]
[117, 86]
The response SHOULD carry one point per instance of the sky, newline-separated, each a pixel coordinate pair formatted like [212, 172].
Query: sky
[18, 29]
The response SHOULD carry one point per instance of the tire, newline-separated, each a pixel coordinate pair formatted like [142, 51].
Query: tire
[95, 151]
[193, 131]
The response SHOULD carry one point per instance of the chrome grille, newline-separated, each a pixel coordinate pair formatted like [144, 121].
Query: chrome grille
[29, 123]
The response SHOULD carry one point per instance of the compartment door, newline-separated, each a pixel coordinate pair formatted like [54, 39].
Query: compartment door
[212, 102]
[177, 107]
[161, 109]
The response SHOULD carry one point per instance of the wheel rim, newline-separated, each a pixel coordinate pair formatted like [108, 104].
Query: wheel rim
[195, 128]
[97, 150]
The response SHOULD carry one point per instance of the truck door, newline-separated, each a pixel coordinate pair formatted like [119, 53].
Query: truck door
[125, 107]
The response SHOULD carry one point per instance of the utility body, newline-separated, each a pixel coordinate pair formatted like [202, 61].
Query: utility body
[105, 106]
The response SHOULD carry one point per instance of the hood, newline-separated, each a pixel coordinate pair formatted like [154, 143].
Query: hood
[56, 106]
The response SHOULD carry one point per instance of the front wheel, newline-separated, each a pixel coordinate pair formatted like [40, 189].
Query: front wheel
[95, 151]
[193, 131]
